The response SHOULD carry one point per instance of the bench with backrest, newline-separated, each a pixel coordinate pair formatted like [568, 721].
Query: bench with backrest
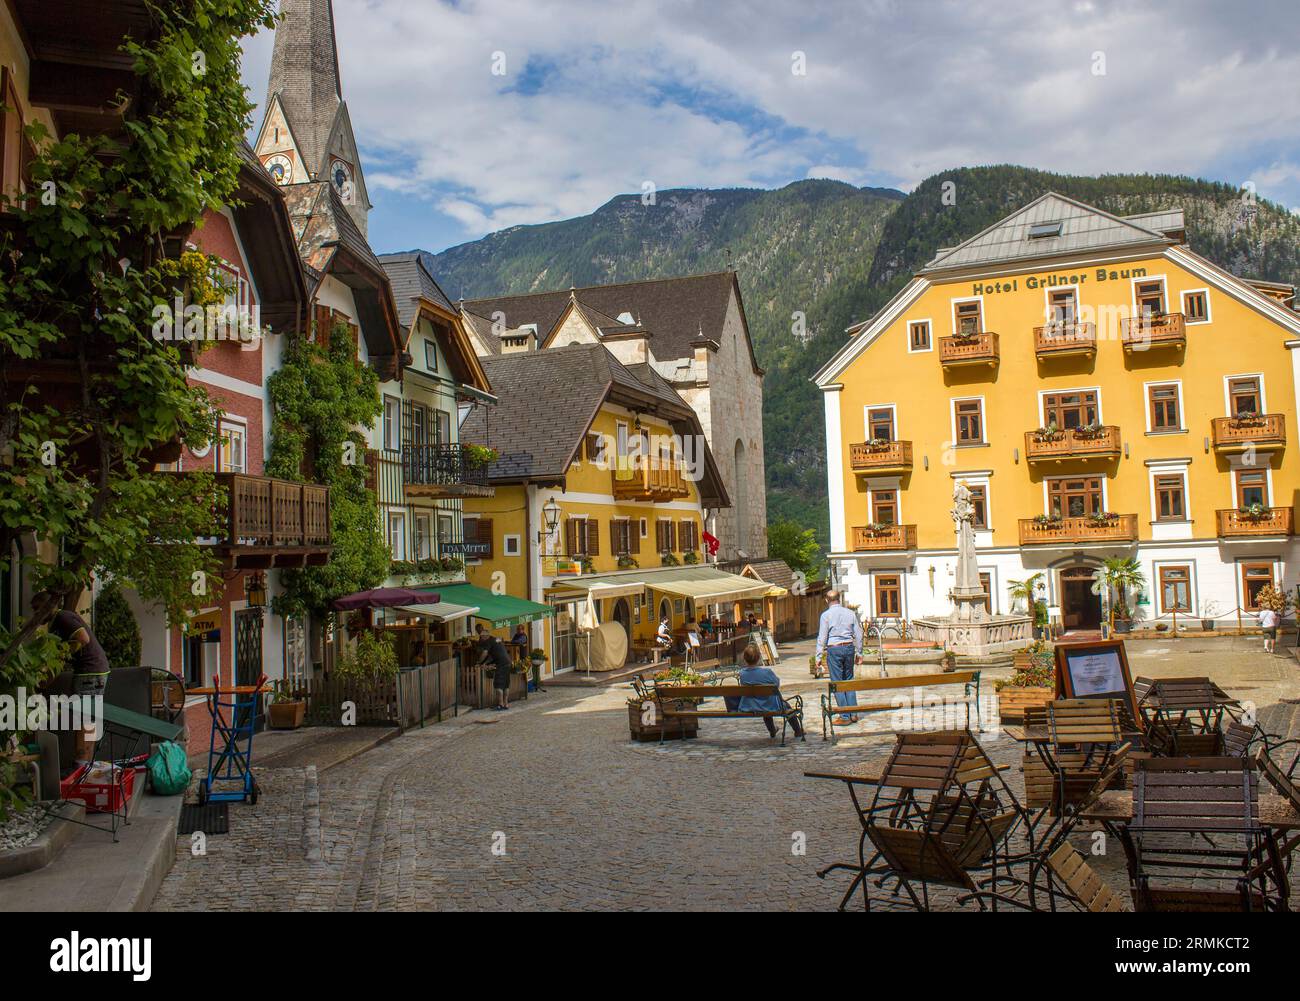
[969, 680]
[793, 704]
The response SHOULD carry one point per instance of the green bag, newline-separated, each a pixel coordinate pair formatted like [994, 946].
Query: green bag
[169, 772]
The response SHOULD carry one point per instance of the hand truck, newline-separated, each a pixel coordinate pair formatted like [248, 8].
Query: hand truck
[233, 721]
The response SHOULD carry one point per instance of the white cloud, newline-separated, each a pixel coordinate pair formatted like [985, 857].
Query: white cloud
[601, 97]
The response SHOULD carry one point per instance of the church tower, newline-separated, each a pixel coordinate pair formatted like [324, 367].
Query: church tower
[306, 133]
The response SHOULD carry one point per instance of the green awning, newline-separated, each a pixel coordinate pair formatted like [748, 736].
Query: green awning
[497, 610]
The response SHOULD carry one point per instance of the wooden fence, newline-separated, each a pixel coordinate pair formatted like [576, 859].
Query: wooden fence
[427, 693]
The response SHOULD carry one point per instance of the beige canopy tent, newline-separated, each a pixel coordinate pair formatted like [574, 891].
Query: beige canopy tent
[704, 585]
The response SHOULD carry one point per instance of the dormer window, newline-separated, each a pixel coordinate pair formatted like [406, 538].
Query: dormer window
[1044, 230]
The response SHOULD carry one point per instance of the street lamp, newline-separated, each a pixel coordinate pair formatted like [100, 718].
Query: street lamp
[255, 589]
[550, 518]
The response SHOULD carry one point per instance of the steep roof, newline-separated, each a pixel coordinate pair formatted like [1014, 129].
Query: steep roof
[305, 75]
[677, 312]
[547, 401]
[1082, 228]
[412, 282]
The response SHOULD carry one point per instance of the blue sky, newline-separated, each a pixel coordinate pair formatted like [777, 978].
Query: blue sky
[598, 98]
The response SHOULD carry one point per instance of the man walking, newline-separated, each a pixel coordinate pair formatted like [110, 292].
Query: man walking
[839, 639]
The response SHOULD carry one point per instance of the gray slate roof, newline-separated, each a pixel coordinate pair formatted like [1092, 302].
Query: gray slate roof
[411, 281]
[1083, 229]
[677, 312]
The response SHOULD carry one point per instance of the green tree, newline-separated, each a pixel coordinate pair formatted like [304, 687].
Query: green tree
[89, 400]
[321, 399]
[787, 540]
[115, 627]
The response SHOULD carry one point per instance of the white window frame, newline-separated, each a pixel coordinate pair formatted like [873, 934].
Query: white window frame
[390, 430]
[1227, 393]
[430, 343]
[1105, 489]
[984, 420]
[397, 532]
[1043, 394]
[866, 418]
[1192, 589]
[416, 536]
[952, 312]
[907, 332]
[1146, 405]
[645, 528]
[1169, 469]
[510, 545]
[1182, 305]
[1047, 300]
[902, 591]
[240, 426]
[1162, 278]
[1234, 469]
[583, 540]
[893, 483]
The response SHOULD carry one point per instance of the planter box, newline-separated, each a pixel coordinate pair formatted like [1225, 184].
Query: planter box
[1012, 702]
[664, 728]
[286, 715]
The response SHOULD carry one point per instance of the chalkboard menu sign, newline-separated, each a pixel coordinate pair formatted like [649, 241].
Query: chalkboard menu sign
[1095, 670]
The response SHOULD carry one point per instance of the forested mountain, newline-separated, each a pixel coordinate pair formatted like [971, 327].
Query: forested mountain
[834, 253]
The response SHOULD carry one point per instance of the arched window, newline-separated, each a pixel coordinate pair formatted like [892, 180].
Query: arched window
[741, 498]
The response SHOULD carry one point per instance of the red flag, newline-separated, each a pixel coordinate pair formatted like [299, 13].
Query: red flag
[711, 544]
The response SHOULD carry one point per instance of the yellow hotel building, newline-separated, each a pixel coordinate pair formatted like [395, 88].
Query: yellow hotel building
[1101, 389]
[574, 514]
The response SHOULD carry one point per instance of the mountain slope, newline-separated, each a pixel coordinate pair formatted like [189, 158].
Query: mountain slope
[835, 253]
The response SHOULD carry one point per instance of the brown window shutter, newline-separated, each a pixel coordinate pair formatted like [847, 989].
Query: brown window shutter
[372, 470]
[614, 548]
[672, 535]
[593, 537]
[322, 321]
[485, 536]
[570, 537]
[591, 443]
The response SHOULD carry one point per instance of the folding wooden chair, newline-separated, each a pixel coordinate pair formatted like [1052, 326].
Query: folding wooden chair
[1084, 735]
[1183, 717]
[1233, 866]
[1085, 887]
[1289, 790]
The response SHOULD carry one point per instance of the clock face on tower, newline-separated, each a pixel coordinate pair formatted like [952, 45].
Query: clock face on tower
[341, 175]
[280, 167]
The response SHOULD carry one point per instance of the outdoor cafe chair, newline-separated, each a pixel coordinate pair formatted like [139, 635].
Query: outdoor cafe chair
[941, 815]
[1286, 787]
[1196, 843]
[1083, 737]
[1183, 716]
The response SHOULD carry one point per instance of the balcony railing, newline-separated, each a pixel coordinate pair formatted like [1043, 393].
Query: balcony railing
[647, 479]
[442, 470]
[1262, 432]
[1270, 521]
[883, 538]
[1165, 330]
[978, 349]
[890, 457]
[1075, 531]
[1072, 443]
[273, 523]
[1056, 339]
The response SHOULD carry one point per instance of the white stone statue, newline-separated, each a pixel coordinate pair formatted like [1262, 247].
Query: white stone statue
[967, 593]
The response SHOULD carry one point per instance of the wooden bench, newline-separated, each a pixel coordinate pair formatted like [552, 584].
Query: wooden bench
[970, 680]
[793, 705]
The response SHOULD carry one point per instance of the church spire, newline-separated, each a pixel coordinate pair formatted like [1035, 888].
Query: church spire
[306, 133]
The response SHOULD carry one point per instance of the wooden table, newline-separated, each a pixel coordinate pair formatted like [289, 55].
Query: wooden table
[1116, 807]
[864, 773]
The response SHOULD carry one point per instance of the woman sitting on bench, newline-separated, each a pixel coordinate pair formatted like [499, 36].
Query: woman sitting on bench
[755, 674]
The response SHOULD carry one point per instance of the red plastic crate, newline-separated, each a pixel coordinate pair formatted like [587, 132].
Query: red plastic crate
[99, 797]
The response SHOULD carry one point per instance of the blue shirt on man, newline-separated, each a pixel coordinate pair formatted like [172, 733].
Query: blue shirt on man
[838, 625]
[754, 703]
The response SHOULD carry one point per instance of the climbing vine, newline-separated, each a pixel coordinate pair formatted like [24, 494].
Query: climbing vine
[321, 398]
[89, 400]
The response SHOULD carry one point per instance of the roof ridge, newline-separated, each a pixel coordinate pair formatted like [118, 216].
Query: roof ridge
[584, 288]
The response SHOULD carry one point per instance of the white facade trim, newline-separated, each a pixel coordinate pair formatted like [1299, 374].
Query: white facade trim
[835, 467]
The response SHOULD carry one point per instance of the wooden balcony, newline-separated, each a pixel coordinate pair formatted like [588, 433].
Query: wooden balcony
[441, 470]
[1057, 340]
[1263, 433]
[637, 479]
[1070, 443]
[980, 349]
[891, 457]
[1078, 531]
[1165, 331]
[885, 538]
[1271, 522]
[273, 523]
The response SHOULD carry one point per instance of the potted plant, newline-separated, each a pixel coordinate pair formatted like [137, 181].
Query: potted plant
[1032, 683]
[537, 657]
[626, 561]
[478, 456]
[1118, 576]
[668, 560]
[1049, 432]
[1209, 612]
[287, 709]
[690, 557]
[1027, 591]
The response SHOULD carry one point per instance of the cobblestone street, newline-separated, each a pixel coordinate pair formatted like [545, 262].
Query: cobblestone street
[550, 806]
